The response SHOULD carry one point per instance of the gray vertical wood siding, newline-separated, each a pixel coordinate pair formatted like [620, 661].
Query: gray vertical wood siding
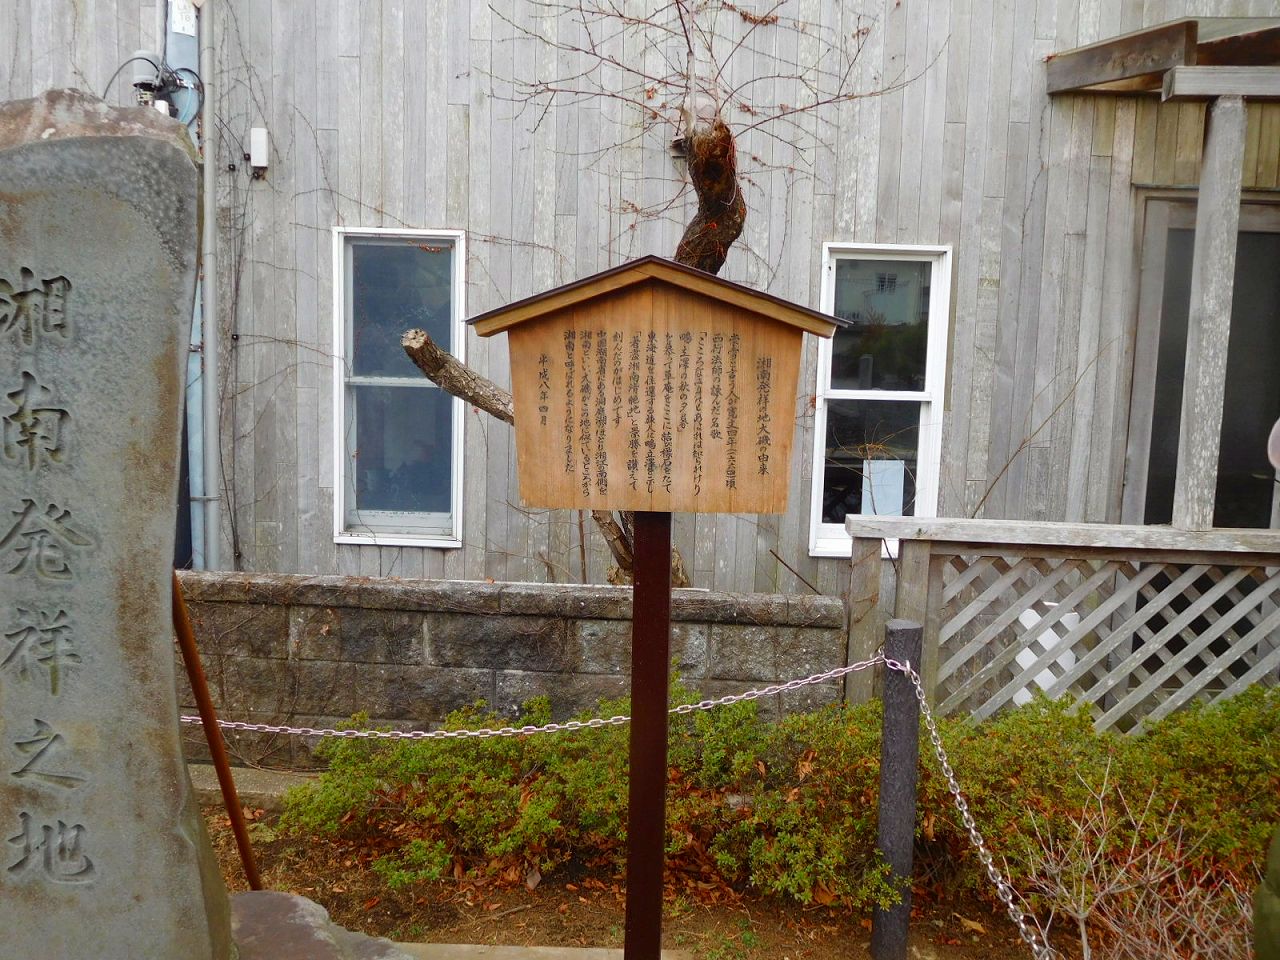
[398, 113]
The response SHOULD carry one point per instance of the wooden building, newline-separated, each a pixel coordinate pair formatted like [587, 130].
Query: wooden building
[1007, 241]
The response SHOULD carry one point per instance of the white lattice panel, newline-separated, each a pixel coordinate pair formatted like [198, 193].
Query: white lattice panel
[1132, 639]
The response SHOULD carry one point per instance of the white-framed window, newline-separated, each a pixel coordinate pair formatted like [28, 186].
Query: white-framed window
[879, 396]
[397, 436]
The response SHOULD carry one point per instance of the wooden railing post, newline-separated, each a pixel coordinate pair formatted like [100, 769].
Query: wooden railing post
[919, 599]
[865, 617]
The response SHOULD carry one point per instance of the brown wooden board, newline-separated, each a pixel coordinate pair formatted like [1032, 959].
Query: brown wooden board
[1123, 58]
[654, 397]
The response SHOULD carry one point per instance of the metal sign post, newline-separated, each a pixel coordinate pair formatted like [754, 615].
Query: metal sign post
[646, 796]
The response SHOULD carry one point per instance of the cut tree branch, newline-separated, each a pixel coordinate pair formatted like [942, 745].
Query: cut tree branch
[455, 379]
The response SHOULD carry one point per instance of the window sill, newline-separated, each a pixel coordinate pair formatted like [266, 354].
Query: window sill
[841, 547]
[395, 539]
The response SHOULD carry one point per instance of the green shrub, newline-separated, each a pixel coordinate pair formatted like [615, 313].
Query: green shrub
[428, 804]
[808, 824]
[1221, 766]
[789, 808]
[1025, 767]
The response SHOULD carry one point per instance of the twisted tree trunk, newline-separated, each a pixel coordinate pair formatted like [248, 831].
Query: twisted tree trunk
[713, 171]
[718, 222]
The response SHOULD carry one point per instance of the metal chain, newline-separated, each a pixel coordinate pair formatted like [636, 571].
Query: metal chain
[1027, 928]
[835, 674]
[1040, 949]
[487, 732]
[479, 734]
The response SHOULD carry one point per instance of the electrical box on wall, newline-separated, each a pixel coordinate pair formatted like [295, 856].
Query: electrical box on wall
[259, 148]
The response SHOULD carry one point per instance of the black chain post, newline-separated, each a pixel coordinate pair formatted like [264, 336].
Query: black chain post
[899, 761]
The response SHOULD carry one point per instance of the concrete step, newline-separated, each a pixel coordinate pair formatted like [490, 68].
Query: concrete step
[257, 789]
[266, 925]
[467, 951]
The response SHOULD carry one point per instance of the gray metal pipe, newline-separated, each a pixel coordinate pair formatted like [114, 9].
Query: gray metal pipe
[209, 289]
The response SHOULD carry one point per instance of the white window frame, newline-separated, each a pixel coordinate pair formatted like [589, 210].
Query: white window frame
[830, 539]
[387, 527]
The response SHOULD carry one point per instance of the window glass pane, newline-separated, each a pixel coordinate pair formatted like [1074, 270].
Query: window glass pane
[1246, 480]
[396, 286]
[870, 465]
[887, 304]
[1251, 402]
[403, 446]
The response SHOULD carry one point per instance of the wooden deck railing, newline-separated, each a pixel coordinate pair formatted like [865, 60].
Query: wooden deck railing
[1132, 621]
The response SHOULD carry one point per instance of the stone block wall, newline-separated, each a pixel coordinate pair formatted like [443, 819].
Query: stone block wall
[312, 651]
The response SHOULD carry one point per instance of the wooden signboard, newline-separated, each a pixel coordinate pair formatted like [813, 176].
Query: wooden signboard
[654, 387]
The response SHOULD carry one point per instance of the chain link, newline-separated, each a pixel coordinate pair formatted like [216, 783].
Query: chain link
[484, 733]
[1027, 928]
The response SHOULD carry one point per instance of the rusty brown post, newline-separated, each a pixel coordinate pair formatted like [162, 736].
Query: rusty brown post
[213, 733]
[646, 799]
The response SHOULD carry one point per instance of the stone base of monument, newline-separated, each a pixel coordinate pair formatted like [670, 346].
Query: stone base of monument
[283, 926]
[266, 925]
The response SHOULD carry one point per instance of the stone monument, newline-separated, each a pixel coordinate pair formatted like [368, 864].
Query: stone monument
[104, 853]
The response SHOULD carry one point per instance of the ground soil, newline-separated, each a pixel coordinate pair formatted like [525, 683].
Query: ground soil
[581, 909]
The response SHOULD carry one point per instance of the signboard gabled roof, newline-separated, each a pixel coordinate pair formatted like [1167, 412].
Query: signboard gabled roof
[662, 270]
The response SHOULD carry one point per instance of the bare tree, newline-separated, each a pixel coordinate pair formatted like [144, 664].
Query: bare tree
[1128, 881]
[680, 90]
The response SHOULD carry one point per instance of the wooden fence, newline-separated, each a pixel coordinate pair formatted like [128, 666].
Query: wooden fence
[1133, 622]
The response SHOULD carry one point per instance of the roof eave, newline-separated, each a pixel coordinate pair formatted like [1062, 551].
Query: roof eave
[648, 269]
